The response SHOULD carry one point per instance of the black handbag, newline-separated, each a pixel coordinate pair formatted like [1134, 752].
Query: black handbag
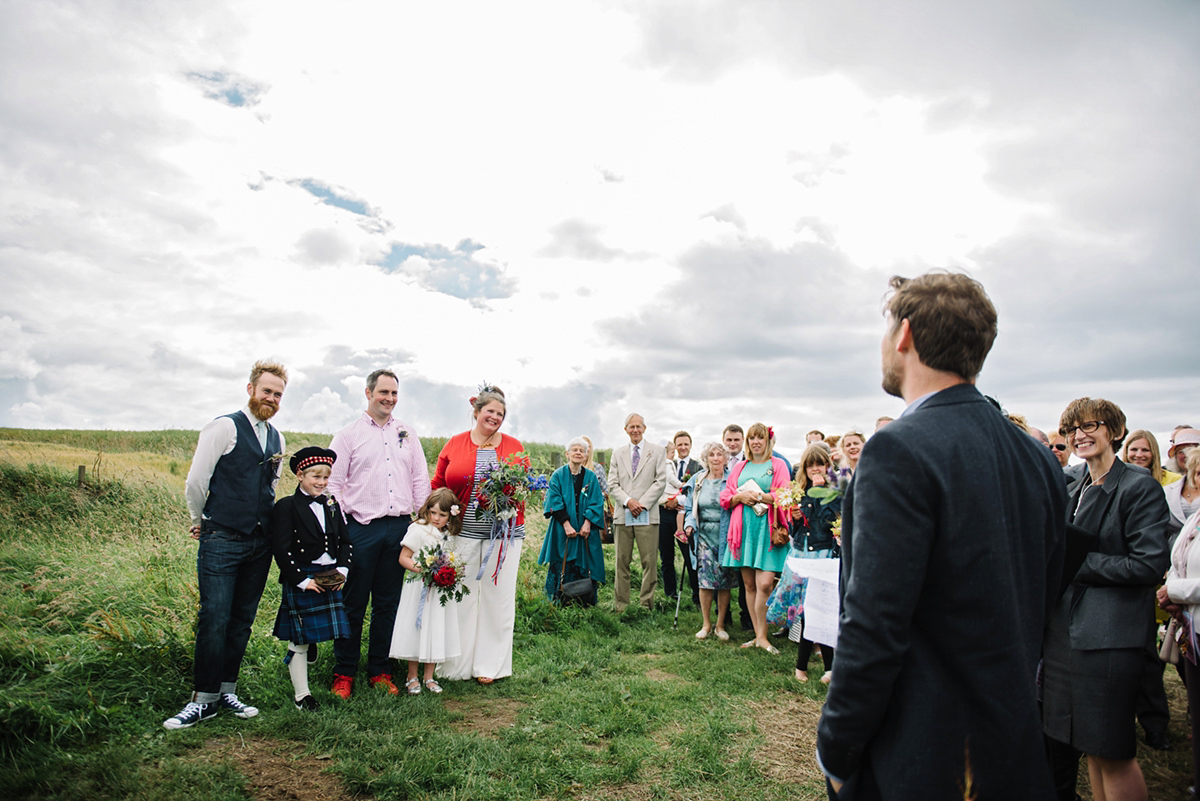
[580, 592]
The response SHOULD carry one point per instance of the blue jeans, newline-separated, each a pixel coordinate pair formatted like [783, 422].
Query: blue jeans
[231, 569]
[375, 577]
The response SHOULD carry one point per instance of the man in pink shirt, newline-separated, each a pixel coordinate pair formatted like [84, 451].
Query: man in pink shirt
[380, 478]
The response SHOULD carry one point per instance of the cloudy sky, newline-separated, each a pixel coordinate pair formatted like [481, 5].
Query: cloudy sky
[689, 209]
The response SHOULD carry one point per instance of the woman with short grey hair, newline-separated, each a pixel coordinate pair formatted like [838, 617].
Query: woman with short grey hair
[706, 525]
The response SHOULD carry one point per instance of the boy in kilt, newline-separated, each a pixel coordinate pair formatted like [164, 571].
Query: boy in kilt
[308, 538]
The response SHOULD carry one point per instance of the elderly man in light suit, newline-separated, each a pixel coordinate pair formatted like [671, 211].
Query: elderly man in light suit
[636, 481]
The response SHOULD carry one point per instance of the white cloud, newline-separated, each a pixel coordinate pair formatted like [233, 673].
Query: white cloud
[691, 208]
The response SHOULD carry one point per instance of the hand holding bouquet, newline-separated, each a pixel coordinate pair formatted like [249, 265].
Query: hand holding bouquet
[441, 570]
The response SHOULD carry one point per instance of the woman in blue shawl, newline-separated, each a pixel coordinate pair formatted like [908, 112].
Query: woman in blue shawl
[575, 508]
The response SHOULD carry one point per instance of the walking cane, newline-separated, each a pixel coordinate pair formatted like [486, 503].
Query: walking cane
[679, 594]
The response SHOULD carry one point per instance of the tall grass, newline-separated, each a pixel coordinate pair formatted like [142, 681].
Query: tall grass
[97, 614]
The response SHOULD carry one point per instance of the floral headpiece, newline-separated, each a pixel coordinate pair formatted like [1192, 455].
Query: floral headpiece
[454, 510]
[484, 388]
[770, 432]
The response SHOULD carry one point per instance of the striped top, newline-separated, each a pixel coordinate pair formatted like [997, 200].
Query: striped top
[478, 525]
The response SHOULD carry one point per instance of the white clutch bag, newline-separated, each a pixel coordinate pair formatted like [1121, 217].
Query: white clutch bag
[760, 509]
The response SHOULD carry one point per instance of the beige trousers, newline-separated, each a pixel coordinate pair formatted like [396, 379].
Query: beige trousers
[647, 545]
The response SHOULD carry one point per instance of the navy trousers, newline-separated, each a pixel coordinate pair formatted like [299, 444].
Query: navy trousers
[376, 578]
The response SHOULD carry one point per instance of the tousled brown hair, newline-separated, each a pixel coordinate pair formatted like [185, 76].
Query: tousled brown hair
[952, 319]
[263, 366]
[1081, 410]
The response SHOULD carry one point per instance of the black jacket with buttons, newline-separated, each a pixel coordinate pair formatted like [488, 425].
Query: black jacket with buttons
[297, 540]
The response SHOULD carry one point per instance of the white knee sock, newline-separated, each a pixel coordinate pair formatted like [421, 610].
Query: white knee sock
[298, 669]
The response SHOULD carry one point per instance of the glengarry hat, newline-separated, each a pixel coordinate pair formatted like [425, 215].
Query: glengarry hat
[312, 455]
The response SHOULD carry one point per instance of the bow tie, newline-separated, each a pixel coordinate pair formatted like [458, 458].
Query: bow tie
[321, 499]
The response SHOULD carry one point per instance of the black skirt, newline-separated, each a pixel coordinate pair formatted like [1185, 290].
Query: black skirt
[1088, 697]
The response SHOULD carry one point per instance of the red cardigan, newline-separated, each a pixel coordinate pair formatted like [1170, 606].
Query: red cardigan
[456, 466]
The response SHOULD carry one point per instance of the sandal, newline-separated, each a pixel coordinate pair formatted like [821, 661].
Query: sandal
[770, 649]
[827, 677]
[413, 686]
[432, 686]
[484, 680]
[750, 644]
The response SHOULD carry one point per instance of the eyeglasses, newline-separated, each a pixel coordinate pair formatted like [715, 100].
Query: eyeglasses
[1058, 446]
[1087, 428]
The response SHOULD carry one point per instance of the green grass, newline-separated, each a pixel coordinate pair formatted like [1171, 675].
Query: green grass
[97, 614]
[97, 610]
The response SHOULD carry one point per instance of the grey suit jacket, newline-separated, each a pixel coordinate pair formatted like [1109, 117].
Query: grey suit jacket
[952, 548]
[1111, 601]
[646, 485]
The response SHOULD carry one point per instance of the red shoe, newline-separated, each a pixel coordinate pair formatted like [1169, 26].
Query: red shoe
[343, 686]
[384, 680]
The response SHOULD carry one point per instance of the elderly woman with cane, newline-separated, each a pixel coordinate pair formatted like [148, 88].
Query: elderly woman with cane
[706, 525]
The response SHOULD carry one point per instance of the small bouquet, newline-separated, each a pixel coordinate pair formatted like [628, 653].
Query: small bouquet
[442, 571]
[788, 496]
[836, 529]
[504, 488]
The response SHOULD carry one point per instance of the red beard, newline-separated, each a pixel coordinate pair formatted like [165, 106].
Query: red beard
[262, 410]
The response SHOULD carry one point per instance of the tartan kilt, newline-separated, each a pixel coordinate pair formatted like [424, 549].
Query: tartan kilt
[308, 617]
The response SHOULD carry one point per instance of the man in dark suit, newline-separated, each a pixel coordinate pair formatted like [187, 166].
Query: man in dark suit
[669, 523]
[952, 551]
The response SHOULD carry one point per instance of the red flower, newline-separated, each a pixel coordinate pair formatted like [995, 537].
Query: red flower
[445, 576]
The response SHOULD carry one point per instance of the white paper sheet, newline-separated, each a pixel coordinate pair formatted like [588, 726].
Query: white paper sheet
[821, 610]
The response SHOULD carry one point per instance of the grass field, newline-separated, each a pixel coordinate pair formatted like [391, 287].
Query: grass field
[97, 608]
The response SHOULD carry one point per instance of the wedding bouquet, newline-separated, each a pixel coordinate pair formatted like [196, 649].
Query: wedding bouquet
[442, 572]
[500, 494]
[507, 485]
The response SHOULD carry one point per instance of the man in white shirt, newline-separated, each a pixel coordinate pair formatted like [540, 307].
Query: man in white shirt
[230, 493]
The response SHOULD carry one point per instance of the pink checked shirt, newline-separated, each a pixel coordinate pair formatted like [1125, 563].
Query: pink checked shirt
[380, 470]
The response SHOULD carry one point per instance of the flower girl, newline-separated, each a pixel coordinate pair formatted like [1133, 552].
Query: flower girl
[426, 628]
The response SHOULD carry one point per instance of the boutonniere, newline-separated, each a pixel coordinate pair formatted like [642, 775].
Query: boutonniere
[330, 501]
[275, 461]
[401, 436]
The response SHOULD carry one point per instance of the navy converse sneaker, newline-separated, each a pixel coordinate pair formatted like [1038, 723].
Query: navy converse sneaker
[192, 714]
[230, 701]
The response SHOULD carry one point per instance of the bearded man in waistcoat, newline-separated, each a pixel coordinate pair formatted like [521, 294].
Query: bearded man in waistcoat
[230, 494]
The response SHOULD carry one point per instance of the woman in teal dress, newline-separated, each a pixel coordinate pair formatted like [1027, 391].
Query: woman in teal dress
[749, 495]
[575, 508]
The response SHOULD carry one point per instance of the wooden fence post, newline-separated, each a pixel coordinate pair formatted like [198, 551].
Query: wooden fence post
[82, 475]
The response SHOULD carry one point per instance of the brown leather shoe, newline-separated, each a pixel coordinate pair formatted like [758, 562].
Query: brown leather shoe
[384, 680]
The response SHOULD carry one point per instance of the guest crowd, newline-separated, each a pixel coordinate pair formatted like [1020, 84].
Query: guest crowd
[731, 526]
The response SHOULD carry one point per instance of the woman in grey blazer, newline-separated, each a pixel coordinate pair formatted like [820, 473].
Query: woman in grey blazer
[1096, 634]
